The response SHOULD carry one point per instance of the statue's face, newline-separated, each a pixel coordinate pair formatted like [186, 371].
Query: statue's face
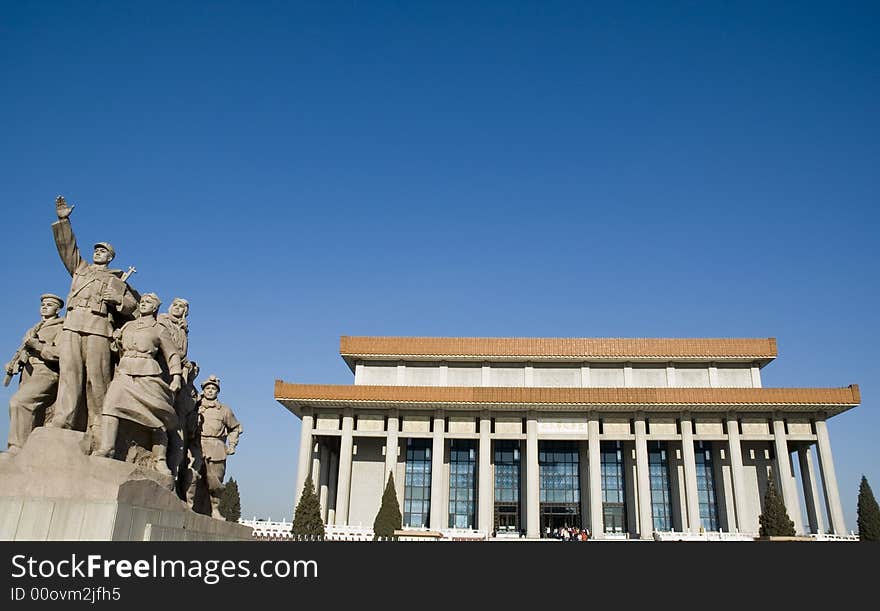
[211, 392]
[178, 309]
[148, 306]
[49, 308]
[101, 256]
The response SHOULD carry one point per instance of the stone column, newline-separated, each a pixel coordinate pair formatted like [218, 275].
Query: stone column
[646, 520]
[597, 527]
[583, 480]
[829, 479]
[690, 474]
[734, 447]
[331, 488]
[783, 476]
[437, 480]
[305, 452]
[533, 479]
[486, 493]
[324, 482]
[811, 494]
[343, 488]
[391, 443]
[316, 462]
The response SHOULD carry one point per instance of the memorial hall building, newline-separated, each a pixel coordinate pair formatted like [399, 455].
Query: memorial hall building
[624, 437]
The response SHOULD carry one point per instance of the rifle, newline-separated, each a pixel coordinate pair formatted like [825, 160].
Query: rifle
[18, 360]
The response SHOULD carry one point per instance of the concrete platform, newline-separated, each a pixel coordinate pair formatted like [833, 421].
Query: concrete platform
[53, 491]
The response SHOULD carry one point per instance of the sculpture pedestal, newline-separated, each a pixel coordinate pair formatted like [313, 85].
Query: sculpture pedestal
[52, 491]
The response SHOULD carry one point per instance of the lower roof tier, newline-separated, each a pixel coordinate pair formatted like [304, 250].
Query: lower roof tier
[830, 400]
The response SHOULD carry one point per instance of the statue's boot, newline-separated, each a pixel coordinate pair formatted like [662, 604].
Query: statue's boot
[215, 508]
[160, 451]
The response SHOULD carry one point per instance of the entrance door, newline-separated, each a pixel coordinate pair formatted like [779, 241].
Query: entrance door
[558, 516]
[508, 518]
[615, 518]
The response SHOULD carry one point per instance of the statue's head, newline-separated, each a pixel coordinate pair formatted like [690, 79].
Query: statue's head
[211, 387]
[103, 254]
[149, 304]
[179, 308]
[50, 305]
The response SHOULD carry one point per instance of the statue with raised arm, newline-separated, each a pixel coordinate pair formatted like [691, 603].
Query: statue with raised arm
[37, 360]
[139, 392]
[98, 298]
[220, 433]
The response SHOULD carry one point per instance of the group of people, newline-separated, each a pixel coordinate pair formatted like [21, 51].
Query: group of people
[113, 359]
[565, 533]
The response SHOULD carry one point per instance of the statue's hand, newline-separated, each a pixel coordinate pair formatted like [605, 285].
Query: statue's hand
[175, 383]
[110, 296]
[61, 207]
[230, 451]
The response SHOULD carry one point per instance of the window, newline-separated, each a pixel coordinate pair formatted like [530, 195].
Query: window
[560, 498]
[462, 482]
[417, 487]
[706, 486]
[613, 487]
[658, 471]
[507, 478]
[558, 465]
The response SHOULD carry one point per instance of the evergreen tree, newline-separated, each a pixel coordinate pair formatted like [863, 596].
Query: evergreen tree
[230, 501]
[774, 519]
[388, 519]
[307, 522]
[869, 513]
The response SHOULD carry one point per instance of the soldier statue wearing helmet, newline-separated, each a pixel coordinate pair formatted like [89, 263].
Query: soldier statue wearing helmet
[219, 436]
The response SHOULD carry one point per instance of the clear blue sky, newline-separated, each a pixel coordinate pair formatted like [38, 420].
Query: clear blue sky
[300, 172]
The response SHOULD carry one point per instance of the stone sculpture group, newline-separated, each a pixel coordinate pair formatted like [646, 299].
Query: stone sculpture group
[117, 369]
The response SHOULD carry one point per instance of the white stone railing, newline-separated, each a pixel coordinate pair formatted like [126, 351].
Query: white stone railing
[267, 530]
[348, 533]
[365, 533]
[831, 537]
[671, 535]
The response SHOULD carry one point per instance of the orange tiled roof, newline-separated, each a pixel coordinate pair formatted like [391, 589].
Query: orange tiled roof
[604, 348]
[701, 397]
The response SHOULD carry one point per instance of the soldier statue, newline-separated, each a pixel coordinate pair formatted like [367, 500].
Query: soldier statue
[98, 302]
[139, 392]
[37, 360]
[180, 454]
[220, 433]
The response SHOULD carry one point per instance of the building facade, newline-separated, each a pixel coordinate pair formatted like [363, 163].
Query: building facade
[624, 437]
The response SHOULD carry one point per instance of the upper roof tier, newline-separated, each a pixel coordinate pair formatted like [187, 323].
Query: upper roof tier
[754, 350]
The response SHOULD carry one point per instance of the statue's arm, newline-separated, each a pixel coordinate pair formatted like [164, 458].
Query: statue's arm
[129, 303]
[172, 358]
[29, 338]
[234, 430]
[65, 242]
[48, 350]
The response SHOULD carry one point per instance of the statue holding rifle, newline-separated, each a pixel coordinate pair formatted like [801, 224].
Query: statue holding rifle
[37, 361]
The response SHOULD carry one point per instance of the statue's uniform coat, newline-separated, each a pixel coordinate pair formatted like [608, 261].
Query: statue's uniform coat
[138, 392]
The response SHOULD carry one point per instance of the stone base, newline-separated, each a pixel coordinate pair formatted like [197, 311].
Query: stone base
[52, 491]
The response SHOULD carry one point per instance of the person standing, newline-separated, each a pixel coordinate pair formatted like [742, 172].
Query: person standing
[139, 392]
[220, 433]
[37, 359]
[180, 458]
[98, 296]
